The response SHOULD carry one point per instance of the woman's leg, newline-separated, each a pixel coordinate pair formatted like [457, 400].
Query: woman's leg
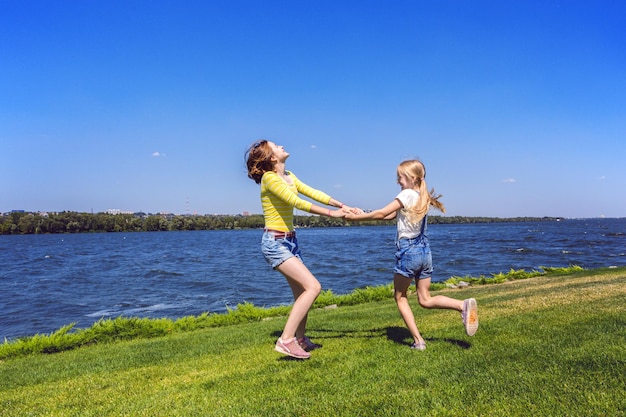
[305, 288]
[438, 301]
[400, 287]
[297, 291]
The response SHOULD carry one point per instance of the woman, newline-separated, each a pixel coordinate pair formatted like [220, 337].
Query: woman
[280, 191]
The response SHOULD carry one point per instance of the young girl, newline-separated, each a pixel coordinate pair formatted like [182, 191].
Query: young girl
[413, 257]
[279, 195]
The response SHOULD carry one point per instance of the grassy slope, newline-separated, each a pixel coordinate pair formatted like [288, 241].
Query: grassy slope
[552, 345]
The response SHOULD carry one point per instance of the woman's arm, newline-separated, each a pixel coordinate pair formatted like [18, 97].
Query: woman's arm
[326, 212]
[346, 209]
[279, 188]
[321, 196]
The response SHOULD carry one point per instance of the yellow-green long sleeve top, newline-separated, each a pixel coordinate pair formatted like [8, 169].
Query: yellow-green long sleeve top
[278, 199]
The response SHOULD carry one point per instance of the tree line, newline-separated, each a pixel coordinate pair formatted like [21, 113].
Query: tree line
[16, 223]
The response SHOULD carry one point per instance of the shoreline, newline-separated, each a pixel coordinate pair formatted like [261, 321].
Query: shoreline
[126, 328]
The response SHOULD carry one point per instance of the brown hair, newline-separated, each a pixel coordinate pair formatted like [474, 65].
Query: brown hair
[259, 160]
[416, 171]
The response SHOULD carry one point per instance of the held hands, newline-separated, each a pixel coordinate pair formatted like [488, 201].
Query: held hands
[344, 212]
[352, 216]
[359, 214]
[351, 210]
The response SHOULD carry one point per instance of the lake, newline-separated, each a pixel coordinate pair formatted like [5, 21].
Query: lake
[48, 281]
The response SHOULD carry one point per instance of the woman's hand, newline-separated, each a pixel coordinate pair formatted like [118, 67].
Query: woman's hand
[338, 214]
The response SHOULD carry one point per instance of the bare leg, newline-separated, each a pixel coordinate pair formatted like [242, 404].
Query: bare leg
[400, 286]
[305, 288]
[297, 291]
[438, 301]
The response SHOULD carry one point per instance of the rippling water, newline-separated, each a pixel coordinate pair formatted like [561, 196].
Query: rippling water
[48, 281]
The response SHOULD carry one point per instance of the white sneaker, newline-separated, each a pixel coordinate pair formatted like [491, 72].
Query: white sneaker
[470, 316]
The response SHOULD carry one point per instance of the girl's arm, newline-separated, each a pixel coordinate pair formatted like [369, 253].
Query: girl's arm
[386, 213]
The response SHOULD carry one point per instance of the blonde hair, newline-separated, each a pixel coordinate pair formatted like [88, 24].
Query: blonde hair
[259, 160]
[414, 170]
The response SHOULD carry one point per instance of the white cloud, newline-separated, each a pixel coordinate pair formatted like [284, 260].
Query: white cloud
[313, 146]
[509, 180]
[603, 177]
[157, 154]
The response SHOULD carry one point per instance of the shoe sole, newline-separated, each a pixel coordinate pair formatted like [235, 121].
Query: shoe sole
[471, 319]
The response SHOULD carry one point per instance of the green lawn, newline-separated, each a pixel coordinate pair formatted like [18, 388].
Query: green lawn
[547, 346]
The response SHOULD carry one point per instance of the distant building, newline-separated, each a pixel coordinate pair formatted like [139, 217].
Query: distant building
[117, 211]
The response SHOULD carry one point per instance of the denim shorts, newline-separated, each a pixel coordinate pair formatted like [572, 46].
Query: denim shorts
[278, 250]
[413, 258]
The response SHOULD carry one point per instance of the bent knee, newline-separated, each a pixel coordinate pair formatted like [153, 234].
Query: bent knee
[315, 288]
[425, 303]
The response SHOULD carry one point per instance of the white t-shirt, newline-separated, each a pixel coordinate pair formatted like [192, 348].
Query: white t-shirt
[406, 229]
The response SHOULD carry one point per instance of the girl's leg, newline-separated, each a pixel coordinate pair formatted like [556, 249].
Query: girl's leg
[400, 287]
[469, 316]
[305, 288]
[438, 301]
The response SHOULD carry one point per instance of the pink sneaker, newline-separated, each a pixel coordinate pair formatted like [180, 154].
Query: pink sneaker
[419, 346]
[291, 348]
[306, 344]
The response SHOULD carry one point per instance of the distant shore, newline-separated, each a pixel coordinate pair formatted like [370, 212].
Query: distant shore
[24, 223]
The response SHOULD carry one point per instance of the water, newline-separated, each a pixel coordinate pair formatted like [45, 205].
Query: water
[48, 281]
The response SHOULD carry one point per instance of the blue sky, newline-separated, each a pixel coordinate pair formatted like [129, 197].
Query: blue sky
[517, 108]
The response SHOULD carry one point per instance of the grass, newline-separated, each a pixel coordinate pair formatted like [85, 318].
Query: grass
[549, 345]
[127, 328]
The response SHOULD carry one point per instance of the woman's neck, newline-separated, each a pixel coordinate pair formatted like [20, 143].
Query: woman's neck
[280, 168]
